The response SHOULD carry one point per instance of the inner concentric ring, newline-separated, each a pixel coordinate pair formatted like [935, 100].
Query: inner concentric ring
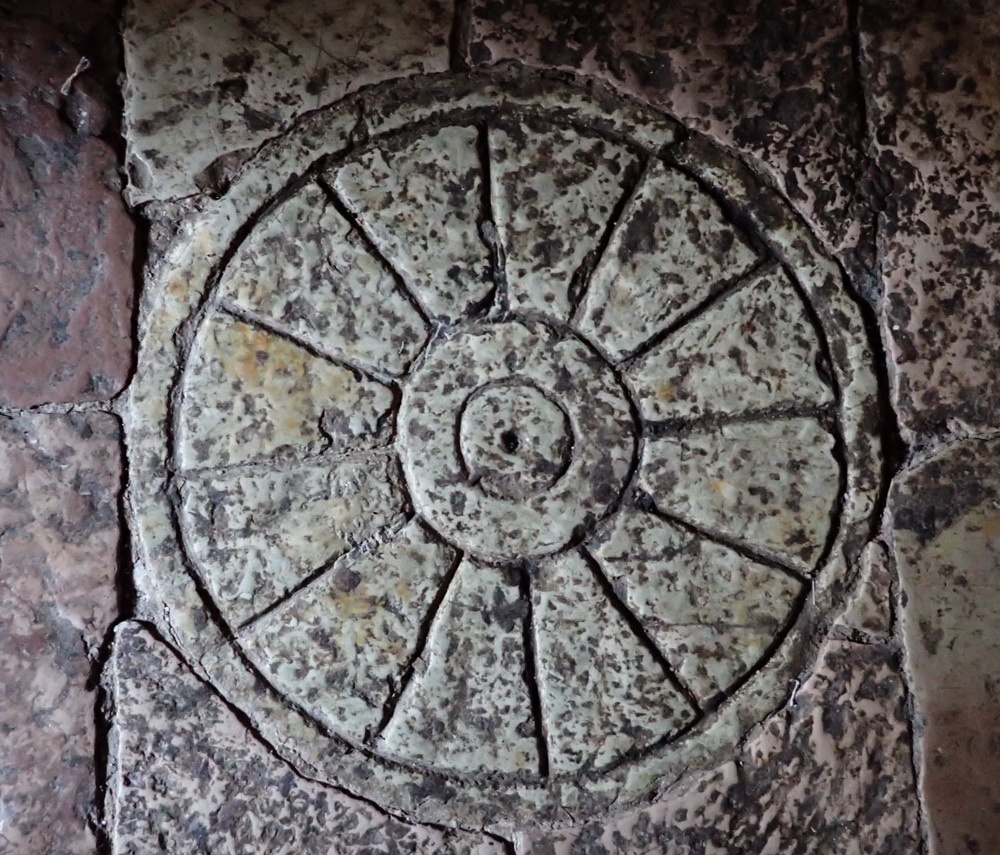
[514, 437]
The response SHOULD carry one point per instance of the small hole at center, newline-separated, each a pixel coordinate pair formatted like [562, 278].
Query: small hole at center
[509, 441]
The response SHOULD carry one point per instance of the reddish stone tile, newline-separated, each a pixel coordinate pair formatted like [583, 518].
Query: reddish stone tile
[59, 536]
[832, 773]
[935, 101]
[947, 532]
[776, 81]
[66, 251]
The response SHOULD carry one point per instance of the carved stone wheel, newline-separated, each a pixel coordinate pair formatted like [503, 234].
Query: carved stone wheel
[499, 447]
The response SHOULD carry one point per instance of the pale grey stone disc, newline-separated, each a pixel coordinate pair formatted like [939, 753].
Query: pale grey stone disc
[499, 448]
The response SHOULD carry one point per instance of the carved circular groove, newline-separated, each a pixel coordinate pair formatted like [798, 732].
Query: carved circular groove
[517, 472]
[546, 439]
[515, 440]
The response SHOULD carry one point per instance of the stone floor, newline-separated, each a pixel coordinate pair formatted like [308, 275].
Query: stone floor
[499, 427]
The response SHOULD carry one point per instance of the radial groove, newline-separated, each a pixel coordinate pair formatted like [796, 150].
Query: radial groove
[426, 627]
[376, 250]
[696, 311]
[346, 678]
[824, 414]
[277, 328]
[584, 274]
[768, 559]
[531, 676]
[500, 298]
[635, 623]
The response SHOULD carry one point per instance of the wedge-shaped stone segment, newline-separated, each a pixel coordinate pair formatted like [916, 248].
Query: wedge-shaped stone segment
[422, 205]
[307, 268]
[469, 710]
[754, 350]
[257, 535]
[603, 691]
[768, 485]
[250, 393]
[340, 646]
[555, 191]
[673, 249]
[712, 612]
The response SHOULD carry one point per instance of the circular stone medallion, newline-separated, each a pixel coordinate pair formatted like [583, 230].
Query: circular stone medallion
[546, 439]
[501, 462]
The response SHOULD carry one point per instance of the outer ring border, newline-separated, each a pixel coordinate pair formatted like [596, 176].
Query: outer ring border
[169, 596]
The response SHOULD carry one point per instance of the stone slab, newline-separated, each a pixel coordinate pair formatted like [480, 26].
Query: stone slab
[946, 514]
[187, 776]
[66, 239]
[59, 481]
[210, 80]
[935, 98]
[524, 421]
[831, 773]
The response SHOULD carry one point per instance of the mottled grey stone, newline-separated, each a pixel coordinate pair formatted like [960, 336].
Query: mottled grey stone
[604, 690]
[712, 611]
[187, 777]
[256, 535]
[210, 80]
[933, 92]
[307, 269]
[555, 191]
[756, 350]
[831, 773]
[254, 393]
[340, 645]
[421, 204]
[501, 679]
[467, 707]
[777, 82]
[770, 485]
[671, 250]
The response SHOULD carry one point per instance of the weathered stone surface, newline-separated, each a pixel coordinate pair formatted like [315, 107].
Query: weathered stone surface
[512, 682]
[556, 452]
[604, 689]
[422, 205]
[256, 535]
[341, 646]
[209, 81]
[934, 91]
[776, 81]
[672, 249]
[832, 773]
[555, 192]
[306, 269]
[947, 537]
[66, 249]
[251, 393]
[59, 482]
[711, 611]
[468, 707]
[187, 777]
[871, 609]
[754, 350]
[768, 485]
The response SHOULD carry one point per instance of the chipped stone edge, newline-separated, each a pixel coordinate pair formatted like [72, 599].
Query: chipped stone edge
[168, 589]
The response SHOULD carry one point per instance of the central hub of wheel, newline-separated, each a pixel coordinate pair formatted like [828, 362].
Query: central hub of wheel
[515, 438]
